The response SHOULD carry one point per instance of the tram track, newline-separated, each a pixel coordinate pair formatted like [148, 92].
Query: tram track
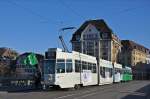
[96, 90]
[112, 91]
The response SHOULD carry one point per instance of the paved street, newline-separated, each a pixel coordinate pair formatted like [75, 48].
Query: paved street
[129, 90]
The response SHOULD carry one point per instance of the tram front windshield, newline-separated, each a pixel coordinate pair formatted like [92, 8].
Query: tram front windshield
[49, 66]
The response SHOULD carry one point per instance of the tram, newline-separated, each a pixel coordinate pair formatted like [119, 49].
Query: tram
[127, 74]
[74, 69]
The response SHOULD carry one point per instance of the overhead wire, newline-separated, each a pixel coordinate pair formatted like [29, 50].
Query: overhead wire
[42, 18]
[62, 2]
[130, 9]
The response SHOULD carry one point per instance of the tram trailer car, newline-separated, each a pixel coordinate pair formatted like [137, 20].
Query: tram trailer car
[127, 74]
[117, 69]
[106, 72]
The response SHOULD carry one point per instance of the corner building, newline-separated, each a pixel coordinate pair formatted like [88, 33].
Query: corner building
[95, 38]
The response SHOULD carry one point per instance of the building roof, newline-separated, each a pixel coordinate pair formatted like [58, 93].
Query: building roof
[2, 51]
[130, 45]
[24, 55]
[8, 52]
[100, 24]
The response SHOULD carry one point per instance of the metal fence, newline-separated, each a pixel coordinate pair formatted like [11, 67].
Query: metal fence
[16, 83]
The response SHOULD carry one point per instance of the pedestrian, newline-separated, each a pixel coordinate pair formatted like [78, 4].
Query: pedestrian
[37, 78]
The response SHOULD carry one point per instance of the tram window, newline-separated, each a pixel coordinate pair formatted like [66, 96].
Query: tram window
[84, 65]
[77, 61]
[89, 66]
[49, 66]
[107, 72]
[60, 68]
[111, 73]
[60, 60]
[121, 71]
[130, 72]
[116, 70]
[107, 69]
[125, 71]
[69, 60]
[94, 68]
[102, 71]
[68, 67]
[77, 66]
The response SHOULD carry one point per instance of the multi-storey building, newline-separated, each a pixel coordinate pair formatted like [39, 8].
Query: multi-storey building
[95, 38]
[133, 53]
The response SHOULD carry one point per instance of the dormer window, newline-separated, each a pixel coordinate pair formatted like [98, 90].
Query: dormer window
[77, 37]
[104, 35]
[84, 36]
[134, 47]
[90, 30]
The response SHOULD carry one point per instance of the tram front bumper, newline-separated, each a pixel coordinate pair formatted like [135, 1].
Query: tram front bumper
[49, 79]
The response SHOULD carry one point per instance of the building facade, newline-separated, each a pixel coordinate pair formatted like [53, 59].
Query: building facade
[7, 59]
[133, 53]
[95, 38]
[148, 59]
[27, 71]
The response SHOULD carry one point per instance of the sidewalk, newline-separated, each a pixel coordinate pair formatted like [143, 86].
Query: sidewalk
[6, 89]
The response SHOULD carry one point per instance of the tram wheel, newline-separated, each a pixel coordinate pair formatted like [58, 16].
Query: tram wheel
[56, 87]
[45, 87]
[77, 86]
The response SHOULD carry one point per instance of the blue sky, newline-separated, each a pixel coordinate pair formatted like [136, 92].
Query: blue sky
[33, 25]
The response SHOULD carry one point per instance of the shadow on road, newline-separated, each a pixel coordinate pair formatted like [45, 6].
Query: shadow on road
[142, 93]
[28, 89]
[15, 88]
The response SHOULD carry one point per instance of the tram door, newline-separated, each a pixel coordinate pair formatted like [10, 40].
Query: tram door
[49, 71]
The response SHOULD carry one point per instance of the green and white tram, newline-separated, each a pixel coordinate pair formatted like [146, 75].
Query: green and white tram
[127, 74]
[68, 70]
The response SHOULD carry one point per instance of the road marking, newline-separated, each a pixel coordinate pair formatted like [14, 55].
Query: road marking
[133, 93]
[69, 95]
[85, 95]
[64, 96]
